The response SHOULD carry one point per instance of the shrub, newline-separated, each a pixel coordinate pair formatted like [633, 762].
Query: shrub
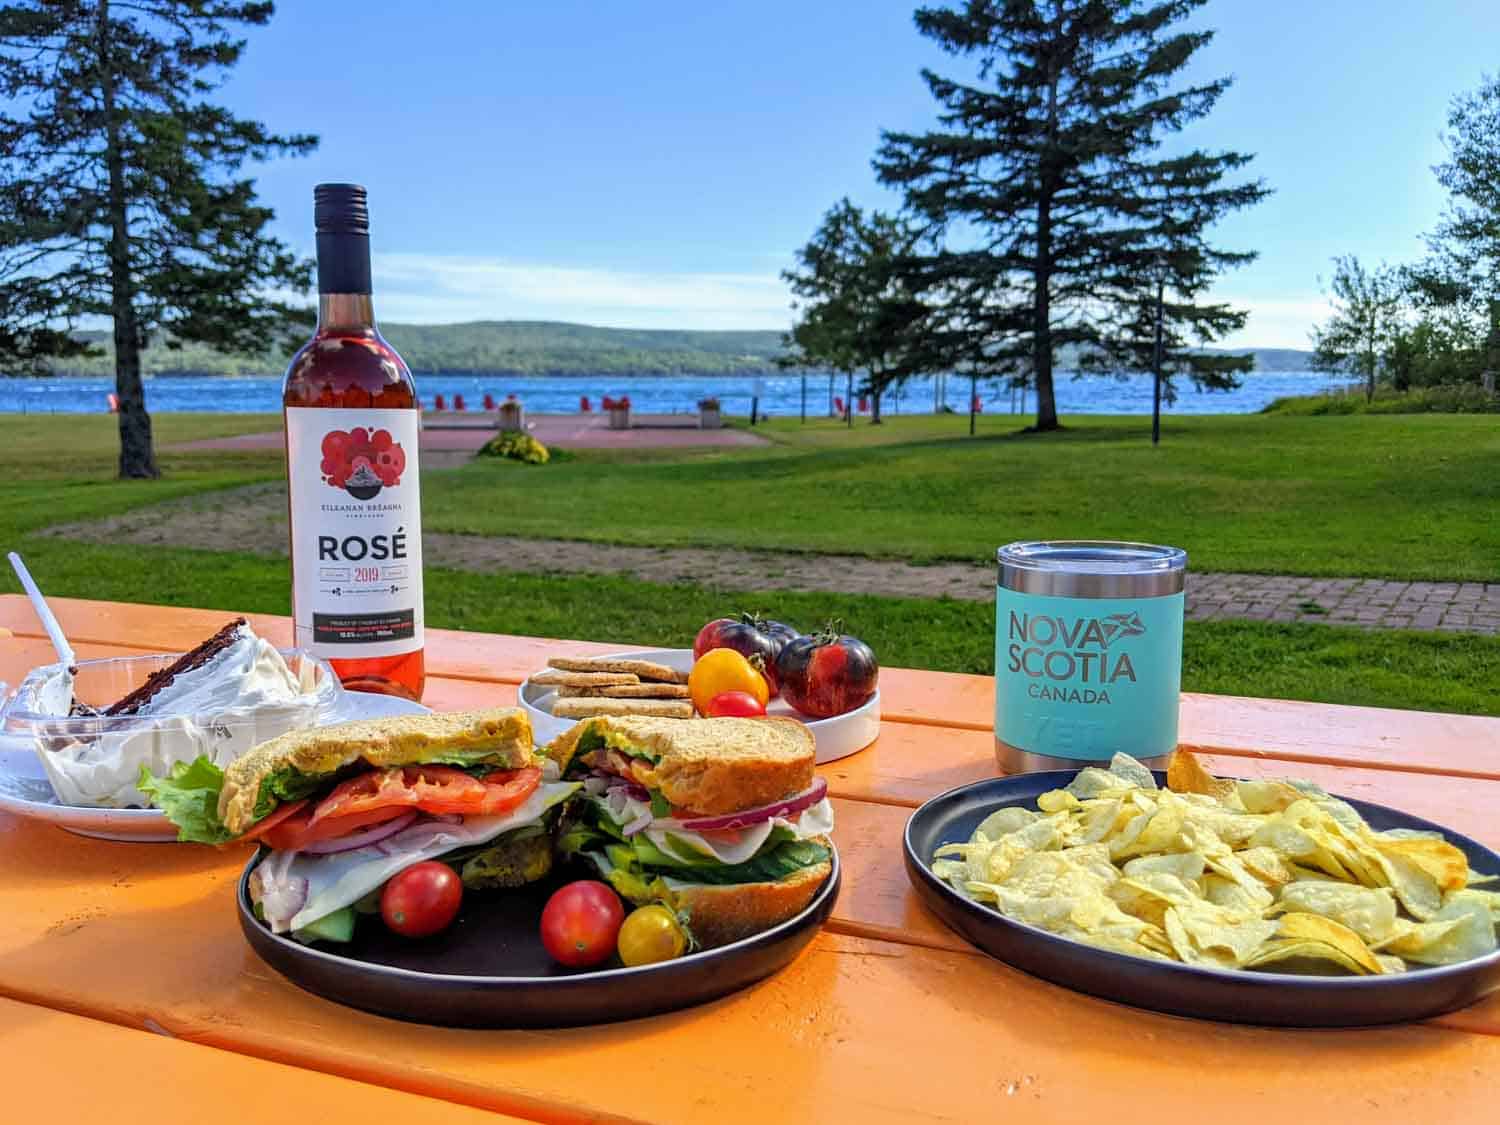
[516, 447]
[1462, 399]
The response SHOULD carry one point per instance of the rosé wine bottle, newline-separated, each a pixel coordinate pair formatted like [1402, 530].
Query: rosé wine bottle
[352, 428]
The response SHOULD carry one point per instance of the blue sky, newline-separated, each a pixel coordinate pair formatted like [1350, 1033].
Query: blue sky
[657, 164]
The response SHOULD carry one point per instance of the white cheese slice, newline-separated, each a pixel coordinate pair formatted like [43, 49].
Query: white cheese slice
[730, 847]
[342, 879]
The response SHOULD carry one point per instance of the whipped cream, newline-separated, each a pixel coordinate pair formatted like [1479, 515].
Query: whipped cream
[242, 696]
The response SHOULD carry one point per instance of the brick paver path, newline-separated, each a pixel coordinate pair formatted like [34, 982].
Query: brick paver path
[254, 519]
[1459, 607]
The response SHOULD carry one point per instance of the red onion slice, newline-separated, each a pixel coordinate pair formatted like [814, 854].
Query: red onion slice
[639, 824]
[785, 808]
[362, 839]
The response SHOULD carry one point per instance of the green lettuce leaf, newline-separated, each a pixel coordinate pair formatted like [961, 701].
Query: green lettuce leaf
[189, 795]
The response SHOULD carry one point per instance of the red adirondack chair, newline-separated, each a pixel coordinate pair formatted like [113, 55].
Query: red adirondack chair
[458, 402]
[584, 406]
[439, 403]
[489, 401]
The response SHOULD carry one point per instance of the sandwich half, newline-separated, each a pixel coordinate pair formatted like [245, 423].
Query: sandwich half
[344, 808]
[722, 820]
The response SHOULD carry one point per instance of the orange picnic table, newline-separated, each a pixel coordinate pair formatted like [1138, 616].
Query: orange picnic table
[888, 1016]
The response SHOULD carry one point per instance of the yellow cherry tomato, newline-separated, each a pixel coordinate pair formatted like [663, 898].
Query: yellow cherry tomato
[651, 934]
[722, 669]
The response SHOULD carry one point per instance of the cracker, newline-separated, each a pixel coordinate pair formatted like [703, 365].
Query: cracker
[584, 679]
[626, 691]
[583, 708]
[645, 669]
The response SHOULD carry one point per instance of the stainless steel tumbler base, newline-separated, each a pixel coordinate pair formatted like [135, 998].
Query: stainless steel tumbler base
[1012, 759]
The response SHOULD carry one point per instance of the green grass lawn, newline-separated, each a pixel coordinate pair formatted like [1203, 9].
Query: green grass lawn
[55, 469]
[1396, 497]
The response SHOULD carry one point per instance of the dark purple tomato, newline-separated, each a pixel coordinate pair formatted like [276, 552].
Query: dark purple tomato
[826, 674]
[744, 635]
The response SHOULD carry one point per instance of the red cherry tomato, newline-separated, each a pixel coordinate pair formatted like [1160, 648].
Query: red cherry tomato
[422, 900]
[737, 705]
[581, 923]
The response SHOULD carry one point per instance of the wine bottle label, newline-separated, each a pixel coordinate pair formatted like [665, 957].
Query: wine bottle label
[356, 516]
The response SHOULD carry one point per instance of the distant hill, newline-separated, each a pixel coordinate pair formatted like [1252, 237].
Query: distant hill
[534, 347]
[509, 347]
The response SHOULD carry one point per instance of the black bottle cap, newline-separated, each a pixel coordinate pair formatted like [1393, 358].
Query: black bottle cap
[341, 209]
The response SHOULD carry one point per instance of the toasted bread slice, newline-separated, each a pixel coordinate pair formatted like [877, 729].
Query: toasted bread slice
[584, 679]
[645, 669]
[588, 706]
[709, 766]
[626, 691]
[719, 914]
[500, 736]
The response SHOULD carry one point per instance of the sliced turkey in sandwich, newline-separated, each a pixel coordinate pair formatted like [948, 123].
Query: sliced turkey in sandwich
[344, 808]
[720, 819]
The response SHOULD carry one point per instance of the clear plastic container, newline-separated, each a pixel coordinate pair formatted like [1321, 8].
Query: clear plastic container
[94, 760]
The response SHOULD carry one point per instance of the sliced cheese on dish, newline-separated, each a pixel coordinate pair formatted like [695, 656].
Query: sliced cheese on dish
[335, 881]
[728, 847]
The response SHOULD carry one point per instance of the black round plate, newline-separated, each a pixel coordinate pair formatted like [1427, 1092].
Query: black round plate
[489, 968]
[1281, 999]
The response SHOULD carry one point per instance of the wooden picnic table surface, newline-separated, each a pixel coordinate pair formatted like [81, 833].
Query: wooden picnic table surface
[888, 1016]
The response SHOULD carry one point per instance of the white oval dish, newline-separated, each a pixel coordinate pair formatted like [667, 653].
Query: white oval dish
[836, 738]
[26, 792]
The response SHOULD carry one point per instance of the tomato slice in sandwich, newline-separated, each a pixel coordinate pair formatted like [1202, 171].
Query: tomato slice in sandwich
[380, 795]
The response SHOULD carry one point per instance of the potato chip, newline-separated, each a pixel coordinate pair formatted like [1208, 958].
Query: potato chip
[1447, 865]
[1004, 821]
[1273, 876]
[1266, 796]
[1095, 782]
[1231, 896]
[1368, 912]
[1293, 956]
[1186, 775]
[1417, 890]
[1314, 927]
[1135, 774]
[1461, 930]
[1187, 866]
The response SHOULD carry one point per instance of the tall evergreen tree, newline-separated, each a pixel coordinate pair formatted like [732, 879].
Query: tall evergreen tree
[1057, 213]
[119, 188]
[856, 311]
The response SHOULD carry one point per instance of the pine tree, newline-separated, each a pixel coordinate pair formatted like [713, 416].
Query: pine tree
[1057, 214]
[118, 189]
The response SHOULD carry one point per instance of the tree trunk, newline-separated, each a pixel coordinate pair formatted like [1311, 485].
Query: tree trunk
[1046, 403]
[1041, 357]
[137, 459]
[875, 385]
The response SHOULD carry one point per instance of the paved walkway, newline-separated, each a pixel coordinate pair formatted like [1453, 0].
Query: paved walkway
[1460, 607]
[450, 439]
[254, 519]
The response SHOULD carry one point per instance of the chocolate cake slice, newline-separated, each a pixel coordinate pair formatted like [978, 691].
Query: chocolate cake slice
[200, 656]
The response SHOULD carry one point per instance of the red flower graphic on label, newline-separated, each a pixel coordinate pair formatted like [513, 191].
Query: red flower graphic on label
[362, 461]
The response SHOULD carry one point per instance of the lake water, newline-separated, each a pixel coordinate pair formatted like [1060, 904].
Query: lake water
[781, 394]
